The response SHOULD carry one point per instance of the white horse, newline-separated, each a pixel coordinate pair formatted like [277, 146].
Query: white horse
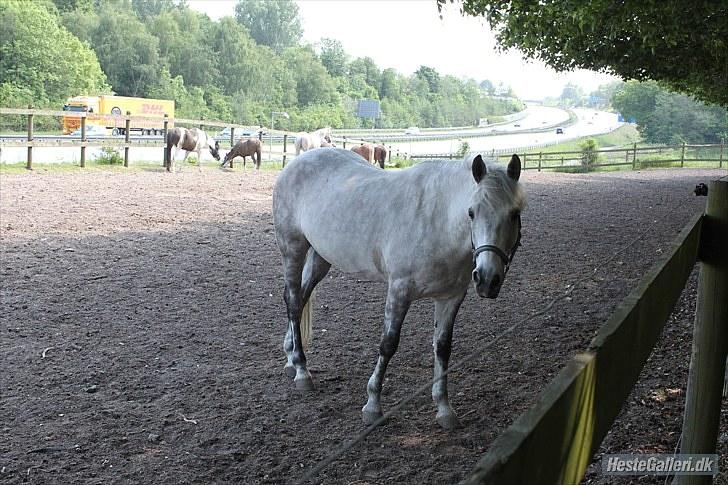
[190, 140]
[308, 141]
[427, 231]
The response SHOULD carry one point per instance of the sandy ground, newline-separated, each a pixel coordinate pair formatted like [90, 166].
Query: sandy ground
[141, 320]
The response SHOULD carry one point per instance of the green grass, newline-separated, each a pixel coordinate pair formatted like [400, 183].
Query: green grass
[623, 137]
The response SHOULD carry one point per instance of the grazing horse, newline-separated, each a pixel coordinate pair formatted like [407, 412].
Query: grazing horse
[445, 224]
[252, 147]
[190, 140]
[308, 141]
[365, 150]
[371, 153]
[380, 155]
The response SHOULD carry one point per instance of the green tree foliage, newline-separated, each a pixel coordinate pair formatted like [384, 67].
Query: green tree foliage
[40, 61]
[666, 117]
[218, 69]
[685, 47]
[275, 24]
[128, 53]
[333, 57]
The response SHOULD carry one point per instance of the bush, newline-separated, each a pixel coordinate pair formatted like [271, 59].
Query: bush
[109, 156]
[589, 155]
[463, 150]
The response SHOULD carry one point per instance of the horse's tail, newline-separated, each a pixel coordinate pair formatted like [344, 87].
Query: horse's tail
[307, 321]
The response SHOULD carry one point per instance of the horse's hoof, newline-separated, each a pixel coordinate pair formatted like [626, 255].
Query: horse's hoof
[290, 371]
[448, 422]
[370, 417]
[305, 384]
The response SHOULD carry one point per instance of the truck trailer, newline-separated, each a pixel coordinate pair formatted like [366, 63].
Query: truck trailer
[117, 107]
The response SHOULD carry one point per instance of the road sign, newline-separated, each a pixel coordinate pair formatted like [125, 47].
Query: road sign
[368, 108]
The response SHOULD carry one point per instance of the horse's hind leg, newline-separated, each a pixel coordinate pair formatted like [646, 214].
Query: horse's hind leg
[445, 311]
[294, 257]
[314, 270]
[395, 309]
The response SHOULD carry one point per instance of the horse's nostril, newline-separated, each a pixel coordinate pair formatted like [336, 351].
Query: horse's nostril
[476, 277]
[495, 282]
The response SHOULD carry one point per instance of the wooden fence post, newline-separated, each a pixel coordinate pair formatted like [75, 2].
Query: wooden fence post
[165, 157]
[83, 140]
[285, 147]
[682, 156]
[540, 156]
[29, 161]
[524, 160]
[232, 136]
[202, 125]
[389, 153]
[710, 334]
[344, 143]
[127, 129]
[634, 157]
[720, 160]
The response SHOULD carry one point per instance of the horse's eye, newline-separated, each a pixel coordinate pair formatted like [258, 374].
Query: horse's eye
[470, 213]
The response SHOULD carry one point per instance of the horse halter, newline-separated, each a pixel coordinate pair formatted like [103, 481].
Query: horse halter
[507, 259]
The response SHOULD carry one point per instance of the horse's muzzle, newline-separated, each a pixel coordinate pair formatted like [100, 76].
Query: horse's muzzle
[487, 286]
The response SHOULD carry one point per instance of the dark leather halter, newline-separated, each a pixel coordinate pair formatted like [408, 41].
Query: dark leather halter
[495, 249]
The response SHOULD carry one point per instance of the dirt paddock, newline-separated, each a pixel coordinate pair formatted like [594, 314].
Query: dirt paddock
[142, 320]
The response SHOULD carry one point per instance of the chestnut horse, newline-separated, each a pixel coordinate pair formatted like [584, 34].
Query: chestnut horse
[371, 153]
[252, 147]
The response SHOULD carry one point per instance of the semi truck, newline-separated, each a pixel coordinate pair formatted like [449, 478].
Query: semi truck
[153, 109]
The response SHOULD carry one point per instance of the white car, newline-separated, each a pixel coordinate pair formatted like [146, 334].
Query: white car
[91, 131]
[239, 133]
[412, 130]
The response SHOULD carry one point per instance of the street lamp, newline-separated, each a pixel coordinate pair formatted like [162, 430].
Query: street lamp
[270, 139]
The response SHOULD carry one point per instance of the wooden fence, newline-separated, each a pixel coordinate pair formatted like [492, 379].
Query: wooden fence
[634, 157]
[553, 442]
[126, 143]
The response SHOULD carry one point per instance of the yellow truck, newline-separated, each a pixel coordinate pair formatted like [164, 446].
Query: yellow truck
[117, 106]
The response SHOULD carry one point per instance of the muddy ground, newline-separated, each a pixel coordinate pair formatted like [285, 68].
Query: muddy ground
[141, 320]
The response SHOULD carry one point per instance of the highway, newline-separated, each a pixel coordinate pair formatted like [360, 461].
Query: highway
[536, 128]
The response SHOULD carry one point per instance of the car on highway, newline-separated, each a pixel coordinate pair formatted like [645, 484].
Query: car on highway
[559, 131]
[224, 134]
[412, 130]
[91, 131]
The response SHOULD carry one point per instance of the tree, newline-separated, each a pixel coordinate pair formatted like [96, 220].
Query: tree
[40, 57]
[487, 86]
[127, 52]
[685, 49]
[333, 57]
[571, 95]
[275, 24]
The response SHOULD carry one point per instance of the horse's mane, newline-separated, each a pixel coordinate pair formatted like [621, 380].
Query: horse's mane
[499, 185]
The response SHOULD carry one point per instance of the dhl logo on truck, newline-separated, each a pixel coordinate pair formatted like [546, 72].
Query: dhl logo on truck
[156, 109]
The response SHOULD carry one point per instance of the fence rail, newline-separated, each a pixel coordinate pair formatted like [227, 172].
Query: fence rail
[553, 442]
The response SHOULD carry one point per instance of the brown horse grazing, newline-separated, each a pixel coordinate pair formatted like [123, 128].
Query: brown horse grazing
[192, 140]
[365, 150]
[252, 147]
[380, 155]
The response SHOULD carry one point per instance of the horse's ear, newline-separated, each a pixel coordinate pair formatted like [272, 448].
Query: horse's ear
[514, 167]
[479, 169]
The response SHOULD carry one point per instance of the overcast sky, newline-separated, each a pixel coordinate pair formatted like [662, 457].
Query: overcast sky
[405, 34]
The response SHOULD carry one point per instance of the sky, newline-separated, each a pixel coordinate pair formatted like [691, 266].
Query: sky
[406, 34]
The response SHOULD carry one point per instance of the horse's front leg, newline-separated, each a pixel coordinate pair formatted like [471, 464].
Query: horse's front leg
[395, 309]
[445, 311]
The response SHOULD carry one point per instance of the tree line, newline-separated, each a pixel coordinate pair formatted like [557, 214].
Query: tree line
[237, 69]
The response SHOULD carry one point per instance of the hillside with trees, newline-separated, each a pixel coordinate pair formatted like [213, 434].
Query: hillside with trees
[237, 69]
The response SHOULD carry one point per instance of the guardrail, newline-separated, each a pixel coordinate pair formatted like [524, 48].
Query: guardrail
[553, 442]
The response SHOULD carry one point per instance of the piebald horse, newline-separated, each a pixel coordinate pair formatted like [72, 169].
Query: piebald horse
[308, 141]
[190, 140]
[442, 226]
